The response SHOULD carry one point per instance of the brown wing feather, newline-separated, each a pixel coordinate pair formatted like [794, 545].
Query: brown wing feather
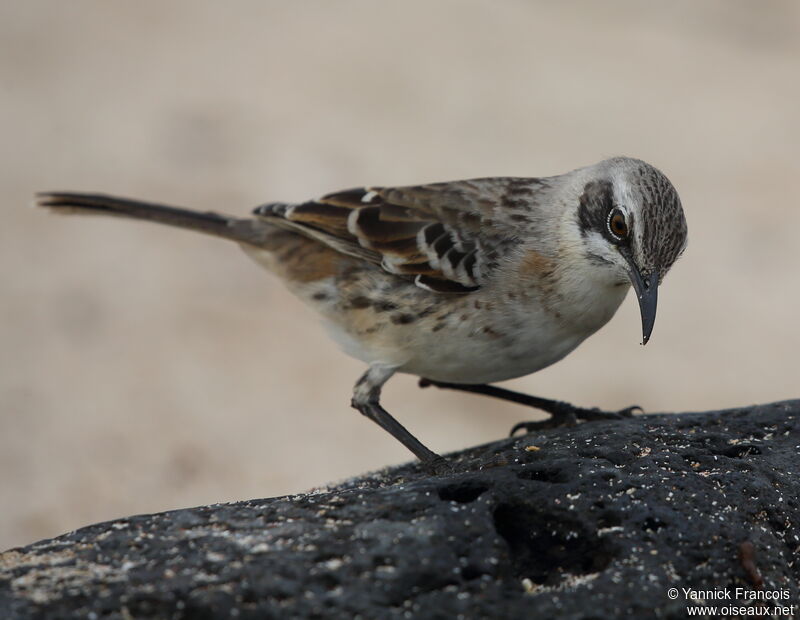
[447, 236]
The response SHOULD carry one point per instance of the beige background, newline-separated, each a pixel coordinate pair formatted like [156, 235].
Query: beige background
[143, 369]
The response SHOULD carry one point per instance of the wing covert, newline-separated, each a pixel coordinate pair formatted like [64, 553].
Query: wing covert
[446, 236]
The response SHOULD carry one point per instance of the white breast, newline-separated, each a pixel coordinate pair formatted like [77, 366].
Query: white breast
[511, 340]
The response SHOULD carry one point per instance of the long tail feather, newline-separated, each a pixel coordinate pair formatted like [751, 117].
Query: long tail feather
[242, 230]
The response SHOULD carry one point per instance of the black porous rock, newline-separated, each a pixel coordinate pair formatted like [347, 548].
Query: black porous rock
[594, 521]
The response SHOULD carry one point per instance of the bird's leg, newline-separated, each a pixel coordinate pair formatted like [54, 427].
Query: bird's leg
[366, 399]
[561, 413]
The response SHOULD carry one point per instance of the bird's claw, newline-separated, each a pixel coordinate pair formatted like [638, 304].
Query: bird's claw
[554, 421]
[570, 417]
[439, 466]
[629, 411]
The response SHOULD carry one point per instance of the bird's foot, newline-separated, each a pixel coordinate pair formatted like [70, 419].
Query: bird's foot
[594, 413]
[438, 466]
[568, 415]
[561, 413]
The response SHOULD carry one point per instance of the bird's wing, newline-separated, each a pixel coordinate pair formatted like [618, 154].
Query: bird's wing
[448, 237]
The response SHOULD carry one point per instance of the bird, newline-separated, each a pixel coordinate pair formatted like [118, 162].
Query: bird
[462, 283]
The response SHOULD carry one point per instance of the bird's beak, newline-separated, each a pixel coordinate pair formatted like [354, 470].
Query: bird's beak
[646, 288]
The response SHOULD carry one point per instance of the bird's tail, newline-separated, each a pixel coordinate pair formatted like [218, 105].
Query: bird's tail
[242, 230]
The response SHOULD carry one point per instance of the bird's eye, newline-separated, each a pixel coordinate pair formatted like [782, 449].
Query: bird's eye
[617, 225]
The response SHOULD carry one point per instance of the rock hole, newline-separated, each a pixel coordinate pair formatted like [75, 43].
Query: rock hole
[249, 596]
[543, 474]
[741, 450]
[545, 548]
[652, 524]
[470, 572]
[609, 519]
[462, 492]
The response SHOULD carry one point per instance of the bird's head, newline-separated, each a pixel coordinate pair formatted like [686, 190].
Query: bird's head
[631, 221]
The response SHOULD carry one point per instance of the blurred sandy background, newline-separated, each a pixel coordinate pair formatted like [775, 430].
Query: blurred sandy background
[143, 369]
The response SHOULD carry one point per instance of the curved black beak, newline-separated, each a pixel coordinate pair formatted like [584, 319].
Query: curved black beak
[646, 288]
